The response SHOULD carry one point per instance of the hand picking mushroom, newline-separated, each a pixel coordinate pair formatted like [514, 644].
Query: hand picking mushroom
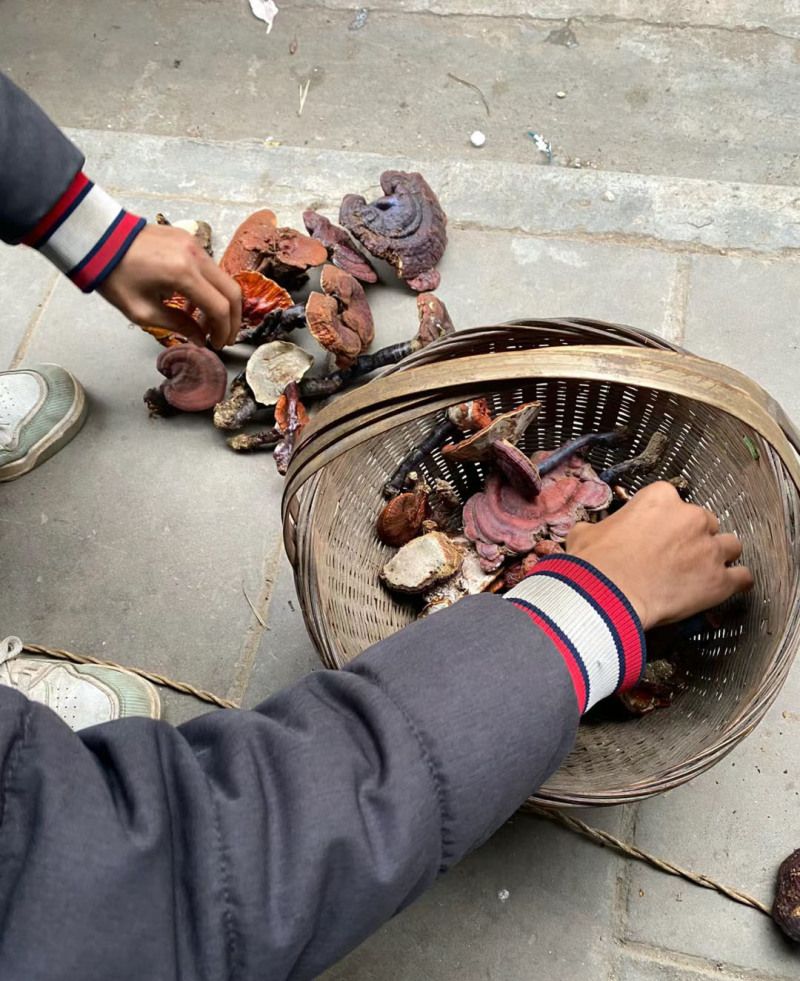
[200, 230]
[430, 328]
[406, 227]
[342, 250]
[195, 379]
[270, 369]
[258, 245]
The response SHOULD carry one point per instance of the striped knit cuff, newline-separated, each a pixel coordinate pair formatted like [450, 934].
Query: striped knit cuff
[85, 234]
[589, 620]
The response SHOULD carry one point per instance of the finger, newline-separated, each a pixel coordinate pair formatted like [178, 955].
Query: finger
[740, 579]
[230, 289]
[713, 522]
[729, 546]
[178, 322]
[215, 308]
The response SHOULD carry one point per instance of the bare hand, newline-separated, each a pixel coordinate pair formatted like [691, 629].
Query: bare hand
[666, 556]
[161, 261]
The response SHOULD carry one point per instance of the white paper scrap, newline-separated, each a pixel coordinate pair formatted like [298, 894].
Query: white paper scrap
[265, 10]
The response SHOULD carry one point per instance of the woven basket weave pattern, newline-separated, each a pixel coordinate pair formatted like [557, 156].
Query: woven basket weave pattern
[734, 671]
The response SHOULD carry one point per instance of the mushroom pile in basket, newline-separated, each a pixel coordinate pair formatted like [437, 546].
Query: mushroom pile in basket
[523, 512]
[406, 228]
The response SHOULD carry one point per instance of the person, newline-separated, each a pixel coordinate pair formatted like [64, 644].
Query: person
[265, 844]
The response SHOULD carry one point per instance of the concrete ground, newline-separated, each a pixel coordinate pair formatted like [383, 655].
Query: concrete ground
[144, 540]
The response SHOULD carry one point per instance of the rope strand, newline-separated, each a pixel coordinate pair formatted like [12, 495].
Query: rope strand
[603, 838]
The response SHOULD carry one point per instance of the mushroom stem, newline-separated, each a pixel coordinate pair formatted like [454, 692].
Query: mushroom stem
[157, 404]
[645, 462]
[234, 411]
[274, 325]
[313, 388]
[283, 451]
[581, 445]
[435, 438]
[247, 442]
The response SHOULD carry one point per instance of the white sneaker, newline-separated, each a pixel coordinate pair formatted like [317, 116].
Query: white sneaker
[81, 694]
[41, 409]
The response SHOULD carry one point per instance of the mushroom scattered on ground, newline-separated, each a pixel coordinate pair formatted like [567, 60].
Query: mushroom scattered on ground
[342, 251]
[260, 296]
[329, 384]
[195, 379]
[259, 245]
[339, 318]
[786, 911]
[291, 419]
[406, 227]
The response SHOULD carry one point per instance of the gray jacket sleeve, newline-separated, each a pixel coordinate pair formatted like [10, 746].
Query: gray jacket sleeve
[266, 844]
[37, 163]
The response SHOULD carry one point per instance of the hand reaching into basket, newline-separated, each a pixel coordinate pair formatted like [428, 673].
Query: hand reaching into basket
[668, 557]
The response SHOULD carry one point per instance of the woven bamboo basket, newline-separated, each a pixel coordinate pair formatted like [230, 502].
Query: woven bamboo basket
[726, 435]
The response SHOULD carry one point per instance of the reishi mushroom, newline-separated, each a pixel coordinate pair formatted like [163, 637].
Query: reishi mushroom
[195, 379]
[342, 250]
[469, 580]
[422, 562]
[339, 318]
[198, 229]
[260, 296]
[259, 245]
[406, 227]
[401, 519]
[786, 911]
[291, 419]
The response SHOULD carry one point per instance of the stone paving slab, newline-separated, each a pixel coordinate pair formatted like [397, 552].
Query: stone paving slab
[736, 823]
[555, 924]
[745, 312]
[640, 96]
[26, 280]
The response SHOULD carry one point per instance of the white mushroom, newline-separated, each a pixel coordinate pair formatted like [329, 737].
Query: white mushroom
[272, 367]
[422, 562]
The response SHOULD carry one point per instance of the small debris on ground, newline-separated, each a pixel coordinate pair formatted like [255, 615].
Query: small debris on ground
[471, 85]
[608, 196]
[360, 20]
[542, 144]
[293, 45]
[503, 895]
[561, 95]
[265, 10]
[477, 138]
[564, 36]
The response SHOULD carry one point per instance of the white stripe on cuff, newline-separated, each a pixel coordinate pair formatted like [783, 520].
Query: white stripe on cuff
[81, 232]
[580, 622]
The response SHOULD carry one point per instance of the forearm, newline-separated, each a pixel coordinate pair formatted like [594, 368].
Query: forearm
[48, 203]
[273, 841]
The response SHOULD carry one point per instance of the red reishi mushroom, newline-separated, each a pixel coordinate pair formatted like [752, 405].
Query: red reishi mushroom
[786, 911]
[260, 296]
[342, 250]
[406, 227]
[340, 318]
[259, 245]
[195, 380]
[402, 517]
[499, 515]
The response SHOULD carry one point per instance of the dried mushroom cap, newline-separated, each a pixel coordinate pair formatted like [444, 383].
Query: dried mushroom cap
[471, 416]
[341, 319]
[342, 251]
[517, 468]
[401, 518]
[434, 320]
[260, 296]
[406, 227]
[499, 515]
[468, 581]
[195, 377]
[422, 562]
[510, 426]
[291, 419]
[258, 245]
[272, 367]
[786, 911]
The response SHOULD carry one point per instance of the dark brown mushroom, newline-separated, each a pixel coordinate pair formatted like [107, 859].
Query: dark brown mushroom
[786, 911]
[367, 363]
[340, 318]
[195, 379]
[258, 245]
[401, 519]
[291, 419]
[406, 227]
[342, 250]
[509, 427]
[240, 406]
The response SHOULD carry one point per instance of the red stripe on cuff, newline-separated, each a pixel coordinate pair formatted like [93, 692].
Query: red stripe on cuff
[85, 277]
[41, 231]
[625, 621]
[575, 673]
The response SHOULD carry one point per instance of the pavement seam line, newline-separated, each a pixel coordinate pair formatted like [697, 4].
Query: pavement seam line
[35, 320]
[622, 888]
[582, 19]
[678, 301]
[255, 632]
[652, 953]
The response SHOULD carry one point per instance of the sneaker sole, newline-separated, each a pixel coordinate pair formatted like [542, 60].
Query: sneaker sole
[50, 444]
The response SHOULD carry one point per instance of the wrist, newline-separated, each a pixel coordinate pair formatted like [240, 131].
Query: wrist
[590, 620]
[85, 234]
